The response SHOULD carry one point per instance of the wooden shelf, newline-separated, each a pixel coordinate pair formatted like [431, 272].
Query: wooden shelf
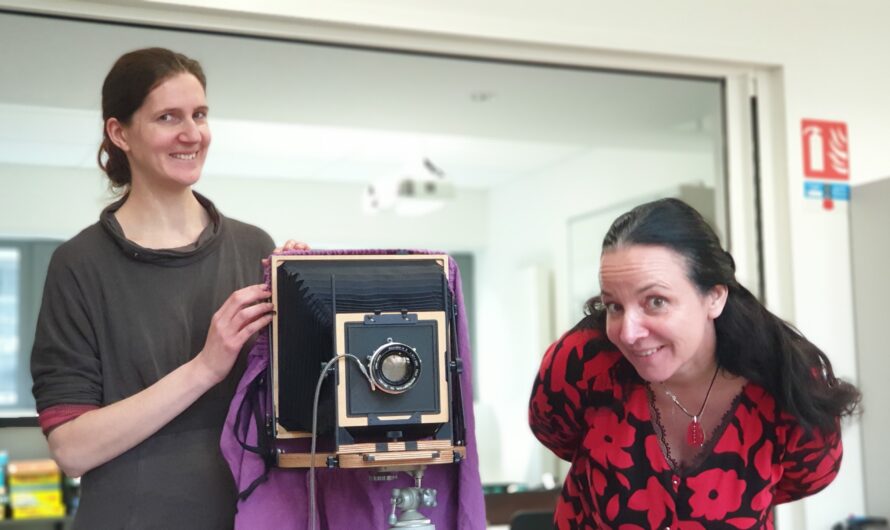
[500, 507]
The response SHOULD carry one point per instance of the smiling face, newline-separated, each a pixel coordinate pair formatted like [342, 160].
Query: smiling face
[656, 316]
[167, 138]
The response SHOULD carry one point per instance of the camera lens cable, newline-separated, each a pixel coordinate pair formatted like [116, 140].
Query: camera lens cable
[321, 377]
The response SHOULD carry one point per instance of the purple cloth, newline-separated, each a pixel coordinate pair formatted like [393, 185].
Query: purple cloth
[346, 498]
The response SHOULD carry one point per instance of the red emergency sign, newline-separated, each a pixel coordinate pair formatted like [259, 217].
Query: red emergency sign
[826, 152]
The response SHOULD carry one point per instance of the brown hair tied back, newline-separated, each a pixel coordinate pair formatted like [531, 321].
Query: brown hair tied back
[126, 86]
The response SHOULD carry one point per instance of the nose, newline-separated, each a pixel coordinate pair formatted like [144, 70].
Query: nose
[190, 132]
[633, 328]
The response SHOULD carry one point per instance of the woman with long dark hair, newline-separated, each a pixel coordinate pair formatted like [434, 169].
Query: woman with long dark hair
[145, 315]
[680, 400]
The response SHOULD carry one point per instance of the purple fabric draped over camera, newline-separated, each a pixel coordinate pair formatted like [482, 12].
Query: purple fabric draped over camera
[347, 498]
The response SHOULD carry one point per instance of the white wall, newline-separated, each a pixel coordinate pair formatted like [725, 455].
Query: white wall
[527, 248]
[48, 201]
[59, 202]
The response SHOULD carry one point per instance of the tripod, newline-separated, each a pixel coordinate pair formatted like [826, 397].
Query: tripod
[408, 500]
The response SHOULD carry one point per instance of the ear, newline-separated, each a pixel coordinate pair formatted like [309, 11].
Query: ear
[716, 300]
[117, 133]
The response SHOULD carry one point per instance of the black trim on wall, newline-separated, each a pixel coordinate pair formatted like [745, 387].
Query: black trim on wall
[758, 204]
[24, 421]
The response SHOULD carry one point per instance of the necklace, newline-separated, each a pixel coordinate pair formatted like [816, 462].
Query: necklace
[695, 435]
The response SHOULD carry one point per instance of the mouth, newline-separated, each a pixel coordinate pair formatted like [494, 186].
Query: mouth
[646, 353]
[185, 156]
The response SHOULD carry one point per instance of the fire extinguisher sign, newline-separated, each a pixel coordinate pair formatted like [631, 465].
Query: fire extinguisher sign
[826, 152]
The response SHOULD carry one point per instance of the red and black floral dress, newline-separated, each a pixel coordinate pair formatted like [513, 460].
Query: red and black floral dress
[621, 478]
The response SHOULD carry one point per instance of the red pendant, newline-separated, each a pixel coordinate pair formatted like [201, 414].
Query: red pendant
[695, 436]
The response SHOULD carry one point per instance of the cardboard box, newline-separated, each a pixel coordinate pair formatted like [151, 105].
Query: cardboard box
[35, 489]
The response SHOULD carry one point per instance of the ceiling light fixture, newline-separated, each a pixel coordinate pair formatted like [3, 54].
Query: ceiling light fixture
[419, 189]
[481, 96]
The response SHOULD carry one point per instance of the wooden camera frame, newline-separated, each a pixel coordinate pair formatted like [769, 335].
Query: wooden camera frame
[355, 440]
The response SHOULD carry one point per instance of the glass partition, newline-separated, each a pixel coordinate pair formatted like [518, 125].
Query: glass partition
[530, 162]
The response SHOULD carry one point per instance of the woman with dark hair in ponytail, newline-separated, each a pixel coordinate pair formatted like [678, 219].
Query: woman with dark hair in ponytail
[145, 315]
[680, 400]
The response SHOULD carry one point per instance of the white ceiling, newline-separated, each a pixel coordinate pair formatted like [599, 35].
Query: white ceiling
[295, 110]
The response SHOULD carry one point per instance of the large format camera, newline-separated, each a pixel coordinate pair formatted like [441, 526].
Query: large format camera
[395, 315]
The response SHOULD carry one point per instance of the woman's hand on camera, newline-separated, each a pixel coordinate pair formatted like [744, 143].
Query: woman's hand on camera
[290, 244]
[245, 312]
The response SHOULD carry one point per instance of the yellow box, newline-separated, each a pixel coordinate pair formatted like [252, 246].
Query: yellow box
[33, 512]
[32, 467]
[33, 498]
[33, 473]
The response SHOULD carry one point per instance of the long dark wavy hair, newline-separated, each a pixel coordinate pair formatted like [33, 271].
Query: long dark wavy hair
[751, 341]
[126, 86]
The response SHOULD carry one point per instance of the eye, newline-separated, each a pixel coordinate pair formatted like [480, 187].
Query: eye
[656, 303]
[200, 115]
[166, 117]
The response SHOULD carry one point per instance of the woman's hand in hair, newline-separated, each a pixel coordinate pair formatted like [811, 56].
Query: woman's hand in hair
[245, 312]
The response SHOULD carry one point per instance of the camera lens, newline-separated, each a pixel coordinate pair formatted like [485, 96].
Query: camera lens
[394, 367]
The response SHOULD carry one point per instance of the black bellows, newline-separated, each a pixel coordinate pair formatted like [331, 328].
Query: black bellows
[312, 292]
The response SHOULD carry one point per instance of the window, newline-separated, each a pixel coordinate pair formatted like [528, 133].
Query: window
[10, 259]
[23, 267]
